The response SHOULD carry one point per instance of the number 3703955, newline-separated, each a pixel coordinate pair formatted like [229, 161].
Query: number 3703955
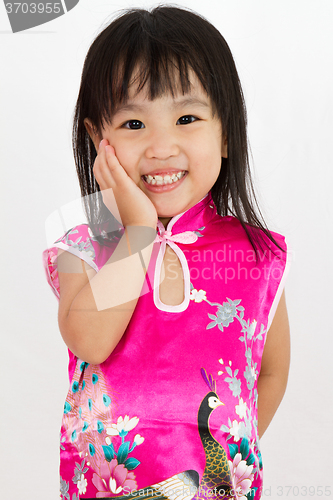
[33, 8]
[303, 491]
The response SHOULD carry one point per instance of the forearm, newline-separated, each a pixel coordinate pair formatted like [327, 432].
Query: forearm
[99, 314]
[273, 377]
[271, 388]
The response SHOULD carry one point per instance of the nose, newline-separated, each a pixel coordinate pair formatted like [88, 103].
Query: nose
[162, 144]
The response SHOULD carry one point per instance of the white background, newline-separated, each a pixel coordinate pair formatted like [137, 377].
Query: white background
[283, 50]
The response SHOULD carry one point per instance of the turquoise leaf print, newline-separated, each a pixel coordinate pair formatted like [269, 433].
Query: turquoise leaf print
[123, 452]
[260, 460]
[250, 459]
[251, 494]
[131, 463]
[109, 452]
[244, 448]
[233, 450]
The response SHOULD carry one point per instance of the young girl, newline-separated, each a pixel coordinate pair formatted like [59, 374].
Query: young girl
[171, 299]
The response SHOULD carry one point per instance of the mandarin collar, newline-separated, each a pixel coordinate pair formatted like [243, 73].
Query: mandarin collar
[194, 218]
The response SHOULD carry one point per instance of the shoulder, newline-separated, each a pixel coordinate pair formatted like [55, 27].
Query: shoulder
[81, 242]
[231, 228]
[272, 255]
[77, 241]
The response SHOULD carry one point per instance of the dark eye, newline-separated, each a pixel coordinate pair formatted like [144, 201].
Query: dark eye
[133, 124]
[184, 120]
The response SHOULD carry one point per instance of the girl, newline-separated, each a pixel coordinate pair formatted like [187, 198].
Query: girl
[171, 298]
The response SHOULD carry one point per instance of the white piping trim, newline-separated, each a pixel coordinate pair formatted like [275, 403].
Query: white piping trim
[77, 253]
[186, 273]
[281, 286]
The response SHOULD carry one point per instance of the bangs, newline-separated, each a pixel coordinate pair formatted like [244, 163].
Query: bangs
[158, 77]
[147, 49]
[167, 75]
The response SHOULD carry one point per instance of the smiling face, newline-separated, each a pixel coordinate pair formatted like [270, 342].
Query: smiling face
[176, 138]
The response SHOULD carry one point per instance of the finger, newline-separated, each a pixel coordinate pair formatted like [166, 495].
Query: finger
[119, 175]
[102, 144]
[101, 170]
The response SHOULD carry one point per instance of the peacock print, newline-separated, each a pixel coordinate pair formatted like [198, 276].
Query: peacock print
[87, 412]
[89, 422]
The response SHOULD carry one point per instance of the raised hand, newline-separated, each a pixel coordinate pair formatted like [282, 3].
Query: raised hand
[125, 200]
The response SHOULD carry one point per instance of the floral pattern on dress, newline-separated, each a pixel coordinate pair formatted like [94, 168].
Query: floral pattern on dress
[113, 479]
[239, 430]
[226, 314]
[244, 465]
[242, 477]
[79, 244]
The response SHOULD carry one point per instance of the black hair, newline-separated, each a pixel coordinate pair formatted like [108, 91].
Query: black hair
[158, 42]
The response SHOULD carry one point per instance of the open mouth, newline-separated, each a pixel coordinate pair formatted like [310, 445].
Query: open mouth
[163, 180]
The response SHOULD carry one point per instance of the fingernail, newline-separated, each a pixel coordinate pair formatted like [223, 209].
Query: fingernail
[100, 143]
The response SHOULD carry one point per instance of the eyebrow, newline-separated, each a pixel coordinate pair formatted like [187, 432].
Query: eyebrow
[177, 103]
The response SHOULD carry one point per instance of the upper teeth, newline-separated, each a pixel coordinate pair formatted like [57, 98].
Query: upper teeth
[165, 179]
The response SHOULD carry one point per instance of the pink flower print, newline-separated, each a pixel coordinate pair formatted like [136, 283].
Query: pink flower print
[112, 479]
[242, 477]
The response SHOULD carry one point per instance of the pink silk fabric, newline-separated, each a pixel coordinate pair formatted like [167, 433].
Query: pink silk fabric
[133, 421]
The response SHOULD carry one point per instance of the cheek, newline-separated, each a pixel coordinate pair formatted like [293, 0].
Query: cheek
[126, 155]
[208, 155]
[208, 146]
[128, 164]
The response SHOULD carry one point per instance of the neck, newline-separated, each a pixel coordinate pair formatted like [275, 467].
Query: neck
[165, 220]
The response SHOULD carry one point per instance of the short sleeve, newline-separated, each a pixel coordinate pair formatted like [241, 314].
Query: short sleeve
[279, 272]
[78, 241]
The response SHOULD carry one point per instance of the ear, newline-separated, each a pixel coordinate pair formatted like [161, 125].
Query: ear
[93, 132]
[224, 152]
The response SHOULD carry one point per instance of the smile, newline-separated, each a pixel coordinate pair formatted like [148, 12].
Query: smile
[162, 180]
[163, 183]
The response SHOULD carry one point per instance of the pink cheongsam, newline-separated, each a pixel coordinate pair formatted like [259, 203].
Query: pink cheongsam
[172, 412]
